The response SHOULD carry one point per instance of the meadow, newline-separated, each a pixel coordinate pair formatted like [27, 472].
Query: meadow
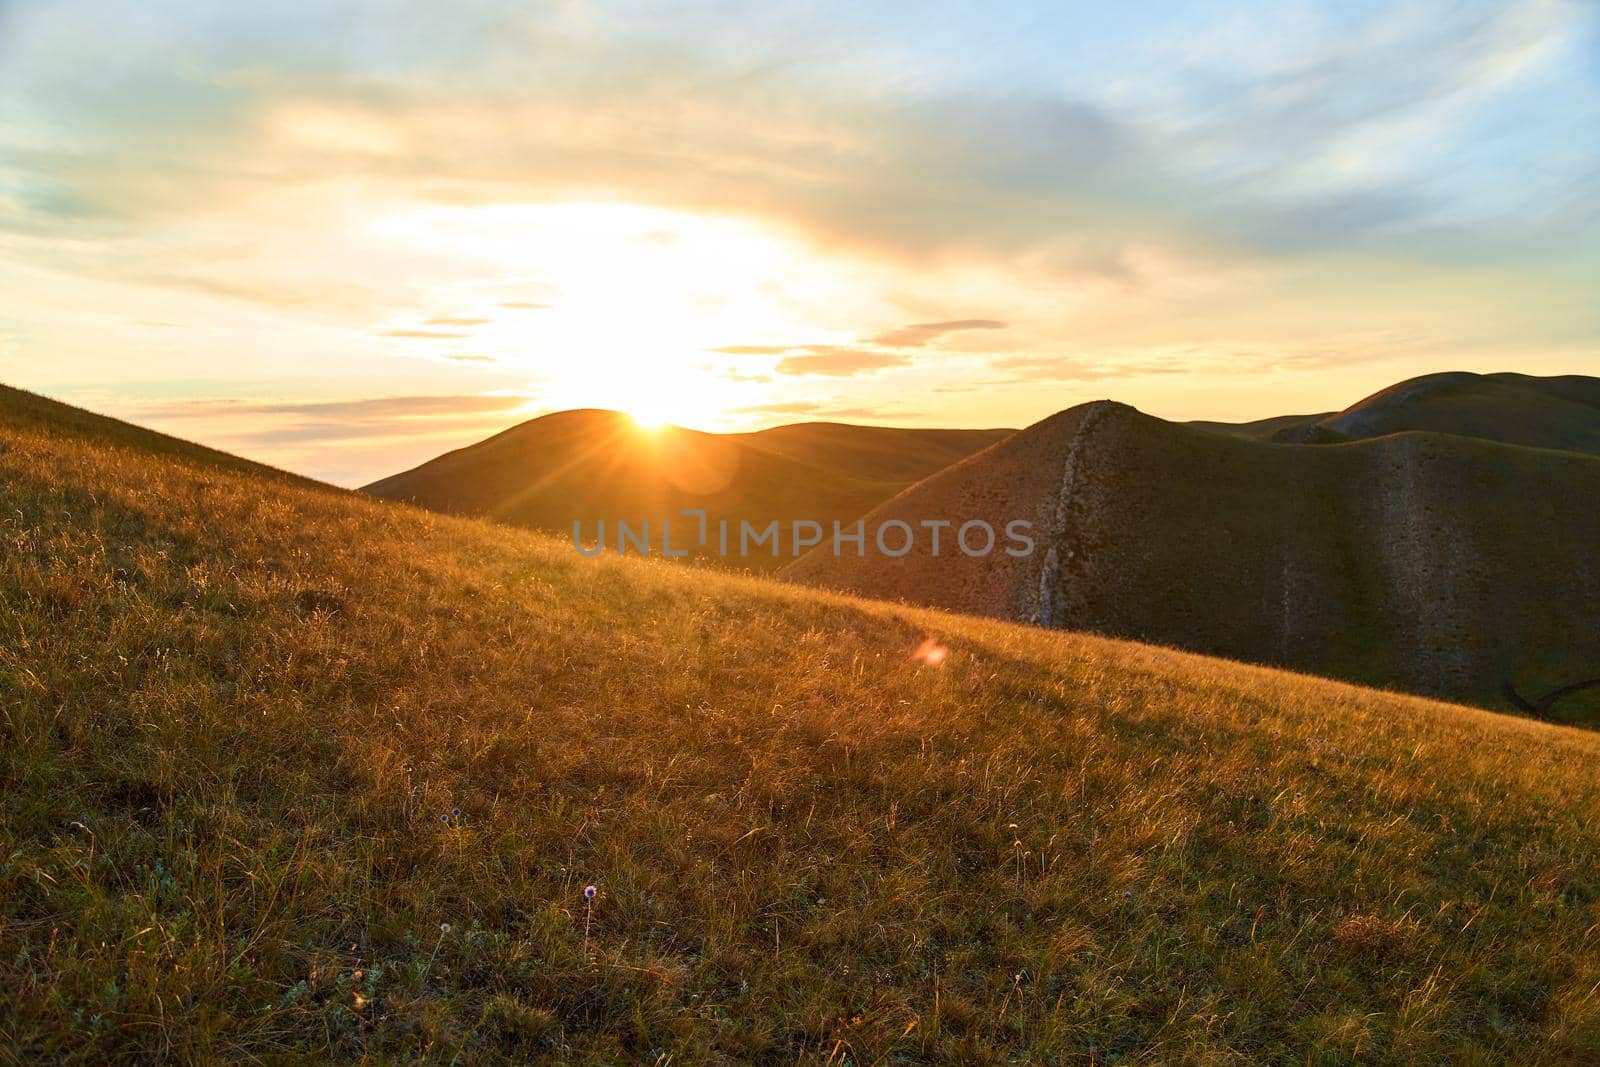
[292, 774]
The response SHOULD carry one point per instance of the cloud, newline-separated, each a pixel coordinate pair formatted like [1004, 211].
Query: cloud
[832, 362]
[373, 430]
[866, 412]
[1323, 129]
[1315, 123]
[1338, 350]
[752, 379]
[882, 351]
[1213, 359]
[927, 333]
[524, 305]
[830, 410]
[250, 290]
[424, 335]
[351, 441]
[1279, 132]
[787, 407]
[363, 409]
[1070, 369]
[455, 320]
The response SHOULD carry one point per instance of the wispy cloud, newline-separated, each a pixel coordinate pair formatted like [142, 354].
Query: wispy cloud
[826, 409]
[1069, 369]
[832, 362]
[783, 407]
[1210, 360]
[364, 408]
[242, 287]
[351, 441]
[881, 352]
[455, 320]
[927, 333]
[425, 335]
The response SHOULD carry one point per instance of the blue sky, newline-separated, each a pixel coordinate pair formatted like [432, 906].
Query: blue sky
[343, 237]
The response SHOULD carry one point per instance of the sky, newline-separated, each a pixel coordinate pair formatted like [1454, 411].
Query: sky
[343, 237]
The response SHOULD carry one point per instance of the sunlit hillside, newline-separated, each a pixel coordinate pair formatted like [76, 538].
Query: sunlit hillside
[591, 467]
[290, 773]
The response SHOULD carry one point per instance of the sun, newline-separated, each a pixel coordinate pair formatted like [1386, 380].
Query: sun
[648, 417]
[630, 307]
[657, 400]
[663, 393]
[682, 399]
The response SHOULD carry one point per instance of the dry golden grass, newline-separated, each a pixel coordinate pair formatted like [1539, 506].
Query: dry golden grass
[261, 743]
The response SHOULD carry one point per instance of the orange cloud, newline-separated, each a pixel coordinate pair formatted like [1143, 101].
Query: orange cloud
[926, 333]
[833, 362]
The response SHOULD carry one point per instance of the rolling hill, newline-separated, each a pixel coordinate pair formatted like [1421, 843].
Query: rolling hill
[592, 465]
[294, 774]
[1428, 562]
[1267, 429]
[1560, 412]
[884, 454]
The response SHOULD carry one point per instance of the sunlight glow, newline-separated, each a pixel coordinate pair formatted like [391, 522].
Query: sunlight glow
[625, 306]
[648, 419]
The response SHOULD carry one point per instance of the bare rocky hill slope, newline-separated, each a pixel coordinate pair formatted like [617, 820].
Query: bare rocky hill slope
[1428, 562]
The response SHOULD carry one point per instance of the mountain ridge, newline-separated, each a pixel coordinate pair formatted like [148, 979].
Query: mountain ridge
[589, 465]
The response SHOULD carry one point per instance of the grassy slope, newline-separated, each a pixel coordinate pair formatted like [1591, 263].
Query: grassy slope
[233, 711]
[22, 411]
[593, 465]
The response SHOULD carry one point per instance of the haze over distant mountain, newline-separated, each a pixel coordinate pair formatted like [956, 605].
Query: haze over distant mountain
[590, 465]
[1430, 561]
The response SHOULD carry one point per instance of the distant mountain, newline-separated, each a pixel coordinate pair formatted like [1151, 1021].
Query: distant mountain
[1560, 412]
[592, 465]
[1517, 409]
[1428, 561]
